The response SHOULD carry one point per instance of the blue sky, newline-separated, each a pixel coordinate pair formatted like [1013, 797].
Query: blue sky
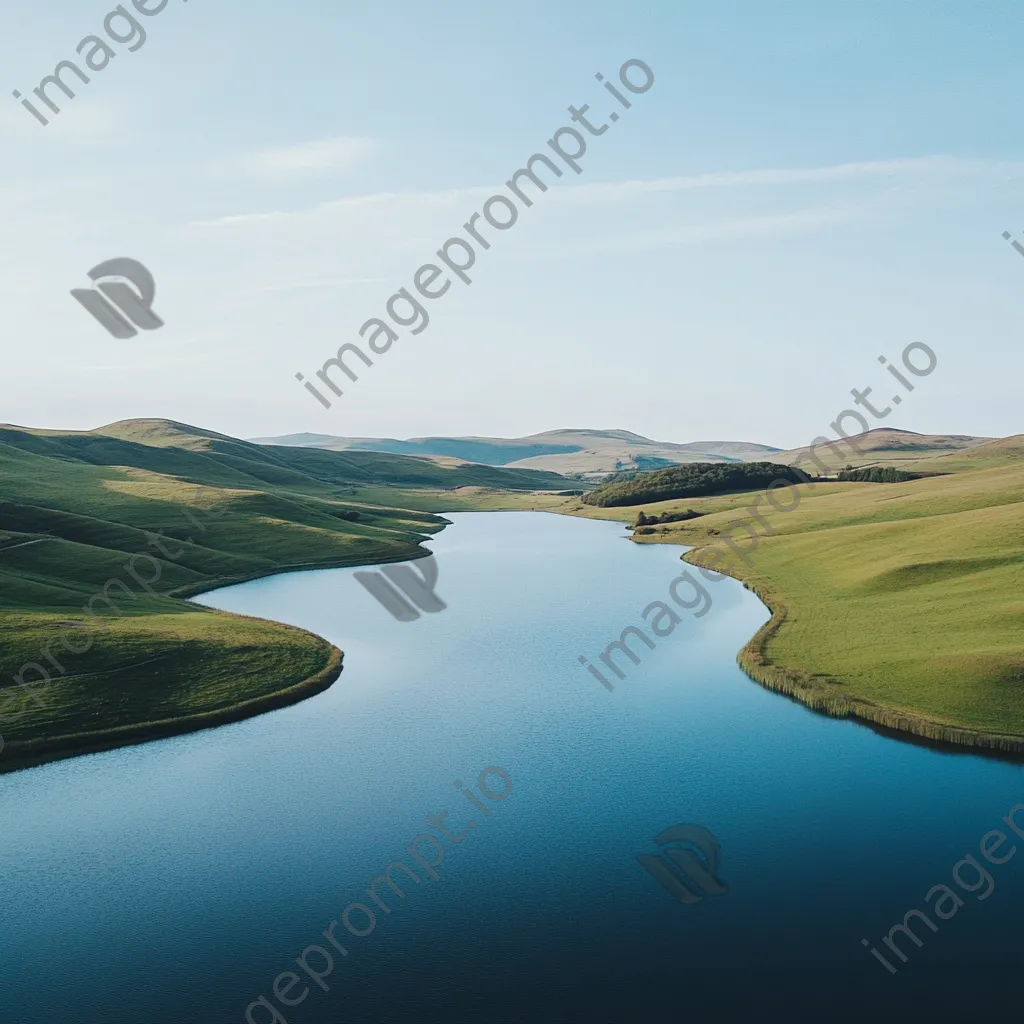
[805, 187]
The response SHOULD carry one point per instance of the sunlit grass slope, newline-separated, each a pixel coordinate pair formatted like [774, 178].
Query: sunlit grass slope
[76, 507]
[900, 603]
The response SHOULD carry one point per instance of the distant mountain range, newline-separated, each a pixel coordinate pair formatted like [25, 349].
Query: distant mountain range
[883, 446]
[590, 453]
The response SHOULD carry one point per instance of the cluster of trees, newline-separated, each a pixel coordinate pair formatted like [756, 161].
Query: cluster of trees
[666, 517]
[878, 475]
[692, 480]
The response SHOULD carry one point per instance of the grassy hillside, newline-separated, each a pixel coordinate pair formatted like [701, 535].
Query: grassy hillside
[196, 510]
[882, 446]
[899, 603]
[296, 465]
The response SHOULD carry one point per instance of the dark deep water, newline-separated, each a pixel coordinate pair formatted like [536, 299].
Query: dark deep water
[174, 882]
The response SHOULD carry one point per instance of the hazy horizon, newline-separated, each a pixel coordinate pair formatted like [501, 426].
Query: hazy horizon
[738, 250]
[270, 438]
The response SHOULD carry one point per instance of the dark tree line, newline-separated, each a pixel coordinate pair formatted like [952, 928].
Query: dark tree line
[666, 517]
[692, 480]
[878, 475]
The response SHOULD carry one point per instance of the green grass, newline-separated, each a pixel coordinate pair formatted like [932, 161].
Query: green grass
[902, 604]
[899, 603]
[75, 508]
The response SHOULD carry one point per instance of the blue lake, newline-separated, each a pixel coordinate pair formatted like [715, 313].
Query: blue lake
[175, 881]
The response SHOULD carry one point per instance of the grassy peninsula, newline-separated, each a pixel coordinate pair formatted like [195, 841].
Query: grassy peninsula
[897, 603]
[204, 510]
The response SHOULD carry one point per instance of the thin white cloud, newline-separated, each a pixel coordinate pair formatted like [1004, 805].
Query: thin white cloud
[727, 229]
[305, 160]
[244, 220]
[391, 201]
[605, 192]
[740, 228]
[869, 169]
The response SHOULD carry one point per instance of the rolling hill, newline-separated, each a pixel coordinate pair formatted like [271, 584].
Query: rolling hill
[115, 526]
[590, 453]
[882, 446]
[896, 603]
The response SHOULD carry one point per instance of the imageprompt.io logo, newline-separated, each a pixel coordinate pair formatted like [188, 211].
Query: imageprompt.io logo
[119, 308]
[393, 581]
[689, 870]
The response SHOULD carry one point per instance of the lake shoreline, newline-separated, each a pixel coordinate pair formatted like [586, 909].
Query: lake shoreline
[817, 693]
[19, 756]
[822, 695]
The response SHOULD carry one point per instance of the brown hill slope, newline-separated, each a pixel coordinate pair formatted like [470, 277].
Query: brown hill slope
[883, 446]
[594, 453]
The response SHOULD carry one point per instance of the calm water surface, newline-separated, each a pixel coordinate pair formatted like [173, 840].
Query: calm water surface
[174, 882]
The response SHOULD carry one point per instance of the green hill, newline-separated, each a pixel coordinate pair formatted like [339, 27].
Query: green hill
[897, 602]
[167, 511]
